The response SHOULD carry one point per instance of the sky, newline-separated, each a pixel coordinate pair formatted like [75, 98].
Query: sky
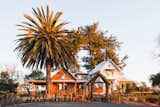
[136, 23]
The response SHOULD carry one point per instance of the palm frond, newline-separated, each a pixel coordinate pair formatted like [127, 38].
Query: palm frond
[44, 40]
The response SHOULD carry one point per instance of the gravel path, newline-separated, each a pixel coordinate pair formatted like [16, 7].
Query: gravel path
[63, 104]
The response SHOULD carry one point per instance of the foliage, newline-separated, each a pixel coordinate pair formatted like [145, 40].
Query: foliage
[44, 41]
[35, 75]
[155, 79]
[117, 97]
[156, 93]
[7, 83]
[96, 42]
[132, 99]
[3, 94]
[152, 99]
[141, 99]
[134, 87]
[143, 87]
[75, 41]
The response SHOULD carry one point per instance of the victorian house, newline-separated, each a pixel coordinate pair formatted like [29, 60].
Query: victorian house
[105, 79]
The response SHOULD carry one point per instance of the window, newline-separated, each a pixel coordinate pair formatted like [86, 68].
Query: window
[60, 87]
[80, 88]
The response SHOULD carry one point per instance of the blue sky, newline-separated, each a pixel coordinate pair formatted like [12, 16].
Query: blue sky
[136, 23]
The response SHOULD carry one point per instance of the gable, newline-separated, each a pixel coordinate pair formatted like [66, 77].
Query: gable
[63, 75]
[99, 79]
[108, 65]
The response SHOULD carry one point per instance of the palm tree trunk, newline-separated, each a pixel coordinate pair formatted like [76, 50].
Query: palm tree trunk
[48, 81]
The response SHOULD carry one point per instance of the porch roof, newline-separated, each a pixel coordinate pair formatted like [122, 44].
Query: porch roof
[70, 81]
[57, 81]
[124, 80]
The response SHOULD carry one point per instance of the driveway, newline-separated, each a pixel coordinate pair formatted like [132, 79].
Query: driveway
[66, 104]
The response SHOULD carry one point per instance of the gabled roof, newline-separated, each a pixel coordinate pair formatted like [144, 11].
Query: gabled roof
[105, 65]
[65, 71]
[98, 74]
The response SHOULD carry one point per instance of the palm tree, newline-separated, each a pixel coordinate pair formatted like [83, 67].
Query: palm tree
[43, 43]
[155, 79]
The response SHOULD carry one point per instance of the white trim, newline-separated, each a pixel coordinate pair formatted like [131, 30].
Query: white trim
[102, 65]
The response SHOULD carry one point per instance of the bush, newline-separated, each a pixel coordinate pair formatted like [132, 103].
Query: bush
[152, 99]
[132, 99]
[18, 101]
[3, 95]
[115, 97]
[156, 93]
[118, 98]
[23, 94]
[141, 99]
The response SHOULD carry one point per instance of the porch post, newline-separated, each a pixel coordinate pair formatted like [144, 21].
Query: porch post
[75, 89]
[91, 90]
[106, 91]
[33, 89]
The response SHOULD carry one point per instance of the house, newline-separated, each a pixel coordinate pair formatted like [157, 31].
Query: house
[64, 83]
[110, 72]
[105, 78]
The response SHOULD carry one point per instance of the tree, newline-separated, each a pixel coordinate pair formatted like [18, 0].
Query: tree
[35, 75]
[131, 87]
[94, 43]
[75, 41]
[143, 87]
[100, 47]
[112, 45]
[7, 83]
[155, 79]
[43, 43]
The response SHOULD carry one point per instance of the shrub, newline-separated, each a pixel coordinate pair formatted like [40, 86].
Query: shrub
[132, 99]
[152, 99]
[141, 99]
[118, 98]
[156, 93]
[18, 101]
